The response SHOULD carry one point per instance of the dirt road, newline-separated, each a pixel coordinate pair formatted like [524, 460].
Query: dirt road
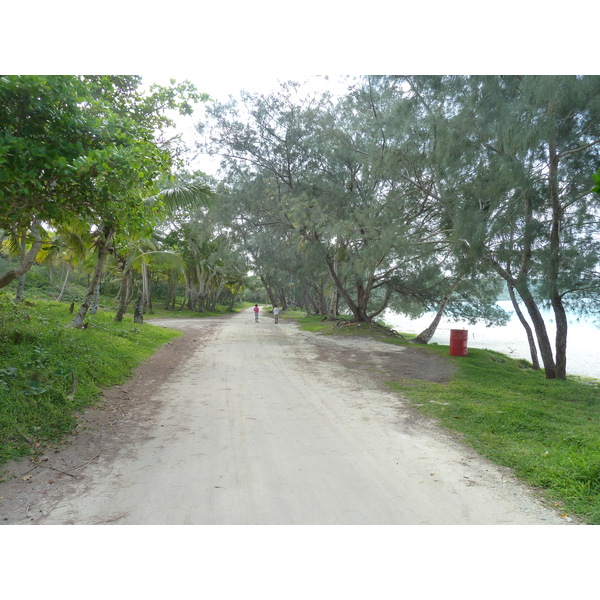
[256, 423]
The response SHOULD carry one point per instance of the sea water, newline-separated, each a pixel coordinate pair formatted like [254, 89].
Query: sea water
[583, 337]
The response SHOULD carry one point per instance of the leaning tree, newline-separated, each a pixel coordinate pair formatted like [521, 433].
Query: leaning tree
[508, 161]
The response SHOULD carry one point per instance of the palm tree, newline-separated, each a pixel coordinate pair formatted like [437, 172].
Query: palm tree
[168, 202]
[140, 256]
[24, 242]
[70, 244]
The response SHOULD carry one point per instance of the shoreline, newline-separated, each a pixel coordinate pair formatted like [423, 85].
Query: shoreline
[582, 349]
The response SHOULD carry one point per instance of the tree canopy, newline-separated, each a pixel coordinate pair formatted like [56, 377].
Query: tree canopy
[408, 187]
[410, 193]
[82, 145]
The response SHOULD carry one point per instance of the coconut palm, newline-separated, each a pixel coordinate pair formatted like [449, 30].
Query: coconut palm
[24, 243]
[168, 202]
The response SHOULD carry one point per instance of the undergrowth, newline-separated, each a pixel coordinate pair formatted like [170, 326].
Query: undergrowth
[49, 371]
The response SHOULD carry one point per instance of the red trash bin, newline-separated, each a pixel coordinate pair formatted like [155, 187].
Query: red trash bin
[458, 342]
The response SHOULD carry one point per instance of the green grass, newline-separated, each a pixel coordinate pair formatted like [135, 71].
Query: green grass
[317, 324]
[49, 371]
[546, 431]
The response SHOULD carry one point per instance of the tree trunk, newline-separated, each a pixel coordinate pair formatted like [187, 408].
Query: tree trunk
[138, 309]
[359, 315]
[530, 339]
[428, 332]
[149, 293]
[269, 291]
[540, 331]
[188, 293]
[95, 299]
[20, 289]
[282, 299]
[333, 303]
[332, 311]
[104, 241]
[64, 285]
[554, 264]
[28, 259]
[146, 301]
[124, 294]
[171, 290]
[561, 337]
[383, 305]
[318, 298]
[21, 282]
[362, 298]
[537, 320]
[306, 300]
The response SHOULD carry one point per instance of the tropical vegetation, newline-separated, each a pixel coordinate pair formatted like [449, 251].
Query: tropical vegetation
[411, 193]
[421, 193]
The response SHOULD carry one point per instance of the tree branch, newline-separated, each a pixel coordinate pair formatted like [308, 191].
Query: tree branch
[567, 152]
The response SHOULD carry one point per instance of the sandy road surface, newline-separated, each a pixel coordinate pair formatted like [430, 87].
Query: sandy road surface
[254, 427]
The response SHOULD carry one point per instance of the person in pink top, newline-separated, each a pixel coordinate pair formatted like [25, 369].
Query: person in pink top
[256, 313]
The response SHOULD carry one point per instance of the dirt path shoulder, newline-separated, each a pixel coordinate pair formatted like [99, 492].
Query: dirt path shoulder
[122, 412]
[244, 423]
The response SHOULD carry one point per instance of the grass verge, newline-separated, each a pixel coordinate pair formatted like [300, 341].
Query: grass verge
[546, 431]
[49, 371]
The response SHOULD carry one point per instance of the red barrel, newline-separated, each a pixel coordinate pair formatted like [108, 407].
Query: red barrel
[458, 342]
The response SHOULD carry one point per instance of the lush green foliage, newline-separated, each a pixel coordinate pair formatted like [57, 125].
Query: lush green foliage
[82, 145]
[82, 156]
[421, 193]
[596, 177]
[49, 371]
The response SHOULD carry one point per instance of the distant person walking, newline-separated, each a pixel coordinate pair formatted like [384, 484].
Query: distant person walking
[276, 313]
[256, 313]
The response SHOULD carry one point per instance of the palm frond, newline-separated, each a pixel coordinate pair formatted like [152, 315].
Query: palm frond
[159, 257]
[187, 197]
